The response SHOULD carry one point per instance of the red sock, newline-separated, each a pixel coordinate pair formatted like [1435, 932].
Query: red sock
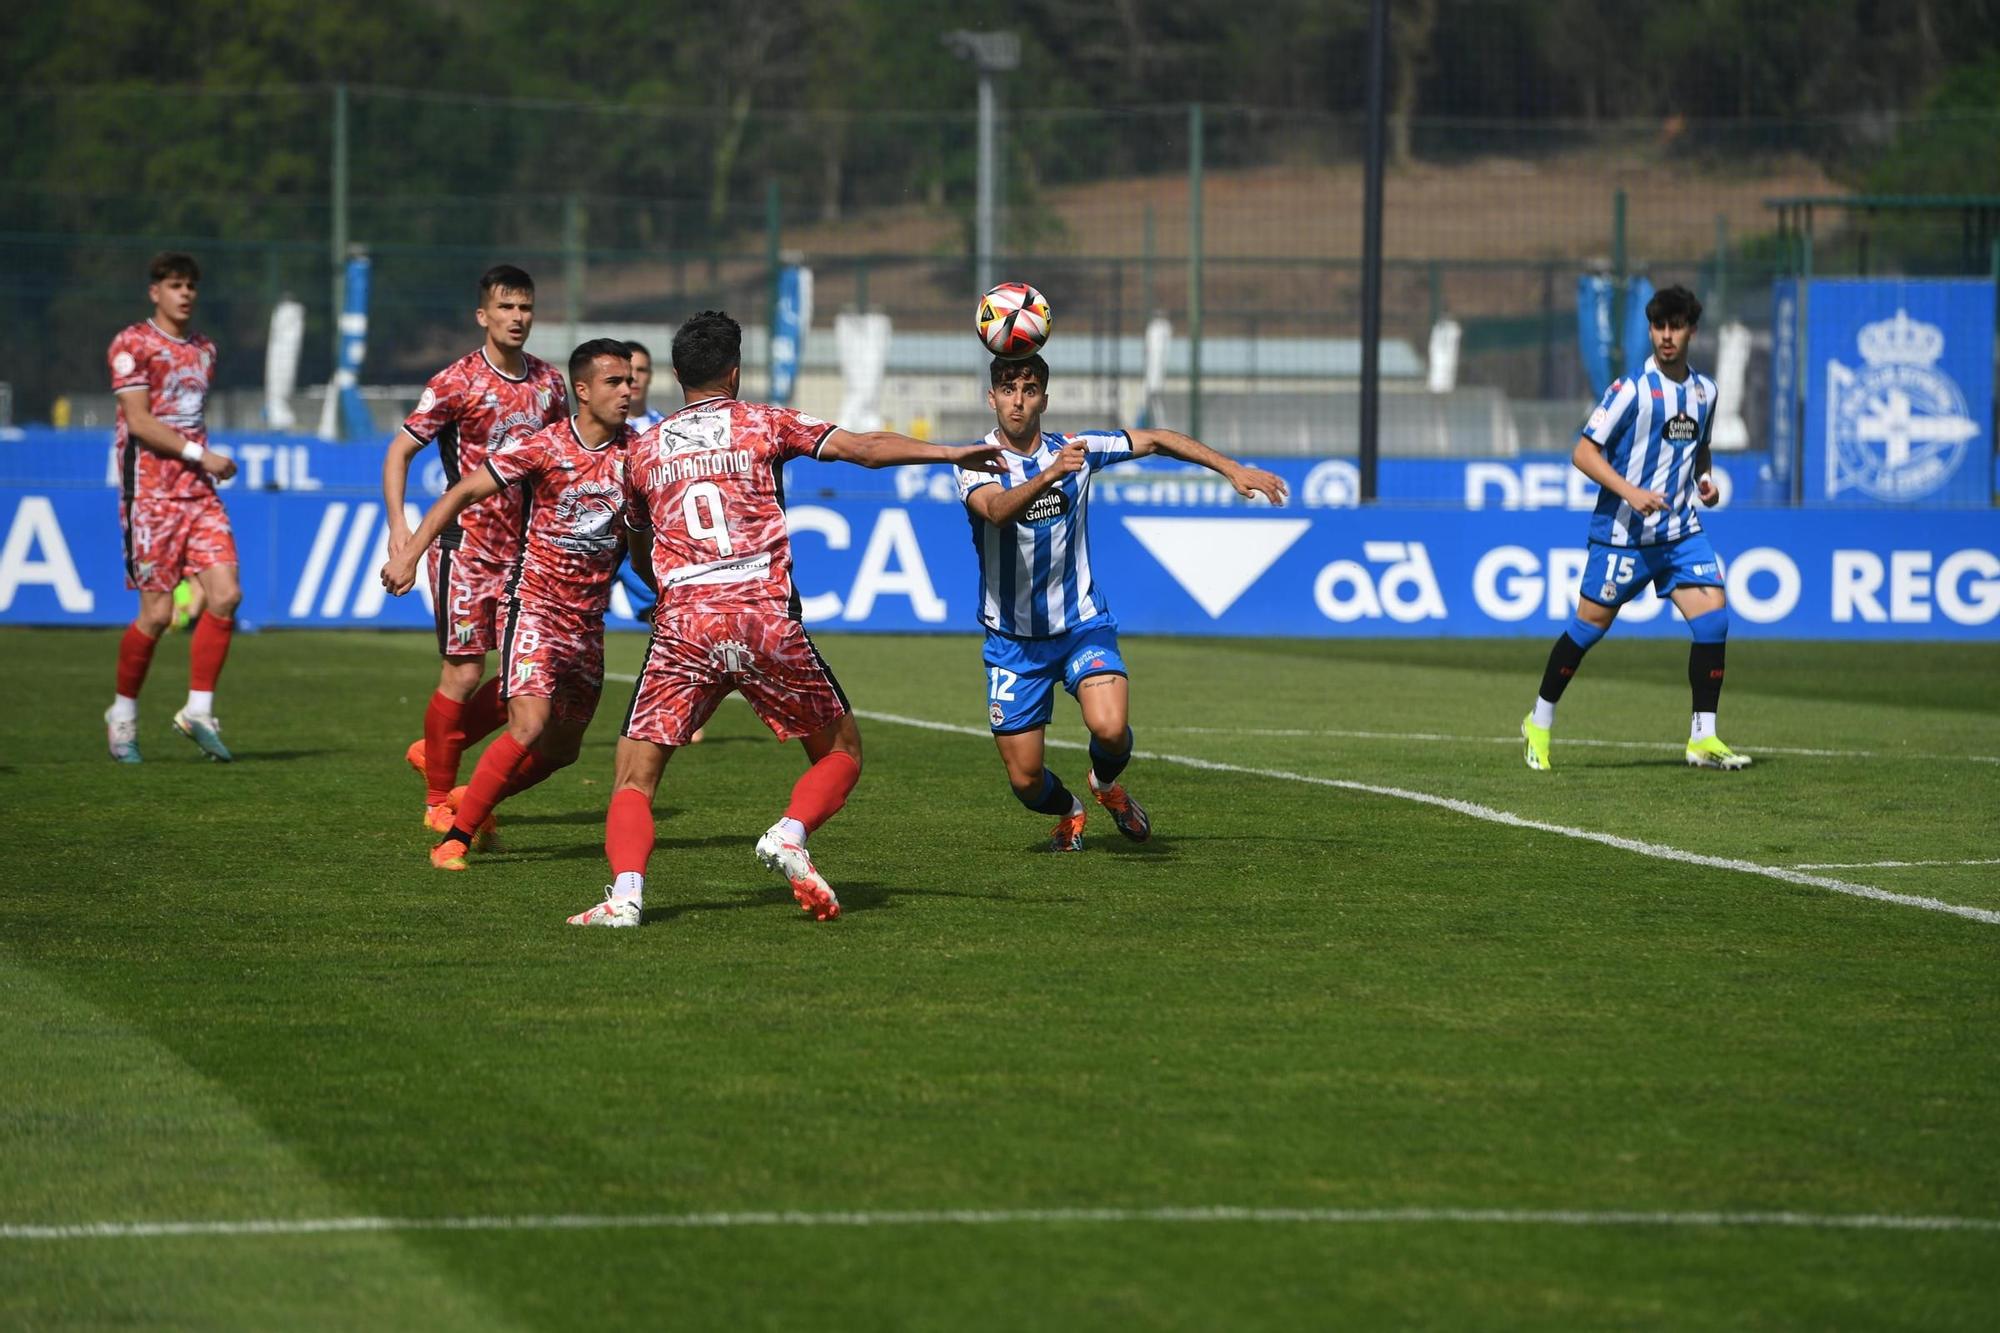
[444, 741]
[823, 789]
[484, 713]
[528, 772]
[628, 831]
[208, 650]
[490, 781]
[135, 655]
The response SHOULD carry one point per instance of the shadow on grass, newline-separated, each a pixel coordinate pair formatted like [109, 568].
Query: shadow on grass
[593, 816]
[1112, 843]
[855, 898]
[279, 756]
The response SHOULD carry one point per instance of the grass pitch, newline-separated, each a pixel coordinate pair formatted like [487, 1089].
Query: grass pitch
[239, 994]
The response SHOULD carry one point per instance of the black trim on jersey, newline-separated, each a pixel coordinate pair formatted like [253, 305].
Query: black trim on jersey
[447, 447]
[441, 600]
[794, 607]
[826, 670]
[527, 367]
[820, 443]
[128, 490]
[507, 646]
[521, 551]
[652, 643]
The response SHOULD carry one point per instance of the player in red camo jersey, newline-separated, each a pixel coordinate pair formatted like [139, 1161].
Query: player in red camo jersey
[470, 409]
[552, 638]
[709, 532]
[173, 523]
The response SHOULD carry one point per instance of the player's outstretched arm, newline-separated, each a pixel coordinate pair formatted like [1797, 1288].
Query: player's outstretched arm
[1247, 480]
[1589, 459]
[400, 574]
[395, 486]
[885, 448]
[157, 436]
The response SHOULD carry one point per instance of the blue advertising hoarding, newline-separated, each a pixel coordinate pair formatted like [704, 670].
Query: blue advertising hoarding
[311, 559]
[1899, 392]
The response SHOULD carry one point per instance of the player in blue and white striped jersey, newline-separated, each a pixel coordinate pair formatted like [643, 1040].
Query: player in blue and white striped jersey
[1646, 446]
[1046, 620]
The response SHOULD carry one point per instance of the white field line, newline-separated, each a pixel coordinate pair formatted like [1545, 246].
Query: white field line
[1885, 865]
[1492, 816]
[1440, 736]
[987, 1217]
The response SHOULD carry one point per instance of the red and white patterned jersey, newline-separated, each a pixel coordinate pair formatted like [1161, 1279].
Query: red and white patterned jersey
[576, 508]
[469, 410]
[711, 477]
[176, 374]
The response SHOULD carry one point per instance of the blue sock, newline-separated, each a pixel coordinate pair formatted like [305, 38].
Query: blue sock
[1584, 634]
[1053, 799]
[1108, 764]
[1711, 626]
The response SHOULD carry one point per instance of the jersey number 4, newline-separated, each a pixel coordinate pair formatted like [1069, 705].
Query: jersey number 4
[701, 508]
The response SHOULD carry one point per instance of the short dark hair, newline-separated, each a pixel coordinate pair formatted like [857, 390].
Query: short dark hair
[634, 347]
[1006, 370]
[1674, 305]
[585, 353]
[504, 277]
[173, 264]
[706, 348]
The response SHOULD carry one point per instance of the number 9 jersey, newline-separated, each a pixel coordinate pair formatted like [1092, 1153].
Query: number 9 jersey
[712, 482]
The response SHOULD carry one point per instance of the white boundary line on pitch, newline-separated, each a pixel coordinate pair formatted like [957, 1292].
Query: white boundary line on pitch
[1885, 865]
[1492, 816]
[986, 1217]
[1567, 740]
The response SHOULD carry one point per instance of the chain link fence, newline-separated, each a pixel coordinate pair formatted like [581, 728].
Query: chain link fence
[630, 220]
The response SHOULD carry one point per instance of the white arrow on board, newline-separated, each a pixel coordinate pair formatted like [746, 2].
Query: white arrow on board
[1217, 559]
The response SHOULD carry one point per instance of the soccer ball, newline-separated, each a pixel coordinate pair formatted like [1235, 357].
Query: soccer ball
[1013, 320]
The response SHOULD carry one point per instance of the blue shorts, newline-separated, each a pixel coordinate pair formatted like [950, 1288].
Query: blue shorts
[1614, 575]
[1021, 674]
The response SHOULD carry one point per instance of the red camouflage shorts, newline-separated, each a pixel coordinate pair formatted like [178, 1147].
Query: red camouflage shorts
[555, 654]
[468, 597]
[696, 657]
[170, 540]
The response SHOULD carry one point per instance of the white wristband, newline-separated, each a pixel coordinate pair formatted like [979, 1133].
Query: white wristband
[192, 452]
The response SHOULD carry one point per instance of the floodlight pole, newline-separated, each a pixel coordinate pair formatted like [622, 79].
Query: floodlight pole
[991, 53]
[1371, 255]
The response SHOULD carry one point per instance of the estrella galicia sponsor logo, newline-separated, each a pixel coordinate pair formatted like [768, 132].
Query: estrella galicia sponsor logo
[1048, 508]
[1897, 429]
[1681, 429]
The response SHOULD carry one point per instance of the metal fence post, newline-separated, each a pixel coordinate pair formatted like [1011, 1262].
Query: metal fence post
[337, 222]
[1194, 269]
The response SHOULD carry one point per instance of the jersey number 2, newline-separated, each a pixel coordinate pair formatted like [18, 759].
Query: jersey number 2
[701, 507]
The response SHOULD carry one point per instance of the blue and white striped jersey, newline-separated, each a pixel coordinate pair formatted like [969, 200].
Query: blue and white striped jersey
[1034, 574]
[1649, 427]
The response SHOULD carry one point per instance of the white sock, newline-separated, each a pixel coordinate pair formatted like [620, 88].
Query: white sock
[793, 829]
[1075, 807]
[1704, 727]
[629, 884]
[201, 703]
[1545, 712]
[124, 709]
